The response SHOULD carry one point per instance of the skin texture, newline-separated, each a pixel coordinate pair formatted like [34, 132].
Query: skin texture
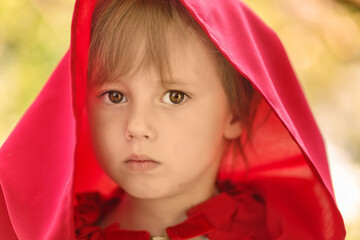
[185, 139]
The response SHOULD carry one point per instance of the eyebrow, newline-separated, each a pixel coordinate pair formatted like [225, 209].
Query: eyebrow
[174, 82]
[163, 82]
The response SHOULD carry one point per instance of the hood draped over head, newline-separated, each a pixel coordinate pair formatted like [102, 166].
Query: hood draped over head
[48, 157]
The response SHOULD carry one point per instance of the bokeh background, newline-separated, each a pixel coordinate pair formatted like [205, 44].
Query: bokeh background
[322, 38]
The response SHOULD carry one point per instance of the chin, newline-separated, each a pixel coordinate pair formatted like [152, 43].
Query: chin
[146, 191]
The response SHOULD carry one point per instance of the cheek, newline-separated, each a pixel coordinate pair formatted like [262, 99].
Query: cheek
[105, 131]
[196, 136]
[208, 123]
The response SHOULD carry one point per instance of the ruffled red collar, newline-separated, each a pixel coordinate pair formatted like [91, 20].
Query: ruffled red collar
[235, 214]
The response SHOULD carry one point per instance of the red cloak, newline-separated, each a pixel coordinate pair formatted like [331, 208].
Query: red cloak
[47, 158]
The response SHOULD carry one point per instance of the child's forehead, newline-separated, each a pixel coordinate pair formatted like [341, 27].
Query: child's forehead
[171, 65]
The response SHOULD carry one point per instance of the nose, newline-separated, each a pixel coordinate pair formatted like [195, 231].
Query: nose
[139, 124]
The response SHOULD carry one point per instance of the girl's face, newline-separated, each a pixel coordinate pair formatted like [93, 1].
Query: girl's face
[160, 140]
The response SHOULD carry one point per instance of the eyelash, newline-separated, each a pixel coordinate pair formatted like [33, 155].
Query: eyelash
[106, 96]
[184, 96]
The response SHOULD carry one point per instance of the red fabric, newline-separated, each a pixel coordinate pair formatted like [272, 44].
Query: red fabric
[48, 156]
[224, 216]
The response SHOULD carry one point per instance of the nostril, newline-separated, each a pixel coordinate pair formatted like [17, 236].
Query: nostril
[128, 136]
[131, 136]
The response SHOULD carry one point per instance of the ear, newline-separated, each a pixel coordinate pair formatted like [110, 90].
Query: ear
[233, 128]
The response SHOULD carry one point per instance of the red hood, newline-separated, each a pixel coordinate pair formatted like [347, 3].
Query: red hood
[287, 159]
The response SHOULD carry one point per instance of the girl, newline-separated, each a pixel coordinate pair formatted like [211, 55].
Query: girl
[192, 109]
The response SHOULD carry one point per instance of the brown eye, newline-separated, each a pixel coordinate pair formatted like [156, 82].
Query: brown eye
[174, 97]
[113, 97]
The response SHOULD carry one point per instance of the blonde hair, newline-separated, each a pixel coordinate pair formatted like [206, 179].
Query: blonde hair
[117, 24]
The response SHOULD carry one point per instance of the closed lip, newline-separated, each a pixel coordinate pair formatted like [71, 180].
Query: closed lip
[140, 163]
[137, 157]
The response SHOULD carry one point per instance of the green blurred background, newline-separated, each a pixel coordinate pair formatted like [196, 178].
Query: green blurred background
[322, 38]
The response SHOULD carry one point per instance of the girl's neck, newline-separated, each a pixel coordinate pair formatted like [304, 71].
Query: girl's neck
[155, 215]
